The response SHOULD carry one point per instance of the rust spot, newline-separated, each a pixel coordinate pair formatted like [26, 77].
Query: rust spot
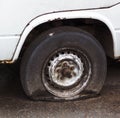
[6, 61]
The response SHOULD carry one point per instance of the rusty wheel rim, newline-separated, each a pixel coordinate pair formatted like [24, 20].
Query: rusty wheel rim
[66, 73]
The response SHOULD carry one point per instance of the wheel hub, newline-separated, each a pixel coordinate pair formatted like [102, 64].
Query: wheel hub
[65, 70]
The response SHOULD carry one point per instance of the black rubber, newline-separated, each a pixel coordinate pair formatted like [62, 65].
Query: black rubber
[44, 45]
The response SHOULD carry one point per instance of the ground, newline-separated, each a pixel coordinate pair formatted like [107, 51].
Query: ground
[14, 103]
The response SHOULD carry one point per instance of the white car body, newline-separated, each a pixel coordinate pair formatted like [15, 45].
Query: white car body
[19, 18]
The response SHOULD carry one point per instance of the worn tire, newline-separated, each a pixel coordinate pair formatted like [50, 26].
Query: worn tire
[59, 40]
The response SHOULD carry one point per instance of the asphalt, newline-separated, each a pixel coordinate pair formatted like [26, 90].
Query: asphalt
[14, 103]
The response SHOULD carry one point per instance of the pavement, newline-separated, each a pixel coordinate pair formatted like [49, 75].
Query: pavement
[14, 103]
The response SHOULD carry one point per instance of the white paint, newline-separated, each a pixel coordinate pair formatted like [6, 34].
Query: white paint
[62, 15]
[16, 14]
[117, 44]
[8, 45]
[24, 15]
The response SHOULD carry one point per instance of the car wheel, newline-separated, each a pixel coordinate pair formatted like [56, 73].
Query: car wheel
[66, 62]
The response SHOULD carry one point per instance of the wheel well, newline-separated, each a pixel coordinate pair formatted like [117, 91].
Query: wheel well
[97, 28]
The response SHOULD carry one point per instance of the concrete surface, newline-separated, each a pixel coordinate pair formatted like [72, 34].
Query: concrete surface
[14, 104]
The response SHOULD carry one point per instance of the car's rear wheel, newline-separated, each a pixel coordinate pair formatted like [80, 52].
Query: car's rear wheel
[64, 61]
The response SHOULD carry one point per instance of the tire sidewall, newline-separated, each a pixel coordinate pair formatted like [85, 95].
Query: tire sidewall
[39, 52]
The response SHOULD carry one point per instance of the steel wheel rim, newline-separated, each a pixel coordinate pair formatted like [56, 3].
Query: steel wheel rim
[76, 86]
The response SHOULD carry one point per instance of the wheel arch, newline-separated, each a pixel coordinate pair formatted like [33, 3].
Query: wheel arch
[38, 21]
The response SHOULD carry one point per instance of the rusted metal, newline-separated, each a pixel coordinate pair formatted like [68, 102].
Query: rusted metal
[7, 62]
[66, 69]
[64, 76]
